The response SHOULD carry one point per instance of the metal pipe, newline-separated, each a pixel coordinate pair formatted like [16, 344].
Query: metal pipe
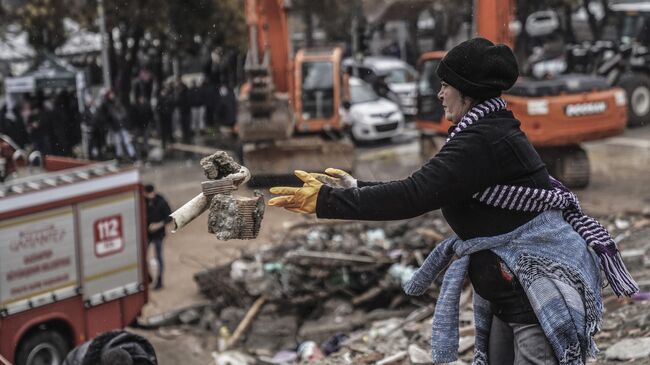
[189, 211]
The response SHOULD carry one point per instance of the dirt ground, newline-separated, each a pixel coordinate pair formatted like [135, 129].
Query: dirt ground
[620, 181]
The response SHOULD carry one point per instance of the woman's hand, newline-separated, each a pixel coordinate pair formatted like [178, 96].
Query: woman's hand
[298, 200]
[336, 178]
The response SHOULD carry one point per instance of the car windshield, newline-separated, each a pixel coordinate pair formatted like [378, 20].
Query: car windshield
[317, 90]
[429, 81]
[400, 75]
[362, 93]
[634, 28]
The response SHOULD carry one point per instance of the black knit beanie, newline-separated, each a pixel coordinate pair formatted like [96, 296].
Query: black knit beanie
[479, 69]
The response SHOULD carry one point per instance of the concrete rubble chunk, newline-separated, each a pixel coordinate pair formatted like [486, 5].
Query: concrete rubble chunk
[219, 165]
[235, 217]
[629, 349]
[189, 316]
[465, 343]
[419, 356]
[233, 358]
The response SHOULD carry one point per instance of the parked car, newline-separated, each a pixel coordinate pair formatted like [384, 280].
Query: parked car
[370, 116]
[397, 75]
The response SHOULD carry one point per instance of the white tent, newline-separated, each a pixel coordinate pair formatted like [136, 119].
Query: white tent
[48, 73]
[79, 40]
[14, 45]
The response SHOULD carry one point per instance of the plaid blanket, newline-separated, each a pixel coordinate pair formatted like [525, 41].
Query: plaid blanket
[558, 271]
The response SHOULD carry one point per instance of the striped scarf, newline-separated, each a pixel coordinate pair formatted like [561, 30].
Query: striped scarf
[525, 199]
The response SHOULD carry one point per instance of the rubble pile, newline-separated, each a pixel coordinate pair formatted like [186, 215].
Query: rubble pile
[330, 293]
[363, 262]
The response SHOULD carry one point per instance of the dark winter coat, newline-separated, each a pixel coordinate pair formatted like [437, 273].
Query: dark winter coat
[90, 352]
[490, 153]
[157, 211]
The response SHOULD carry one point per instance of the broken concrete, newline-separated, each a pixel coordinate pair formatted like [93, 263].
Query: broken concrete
[419, 356]
[629, 349]
[235, 217]
[230, 217]
[219, 165]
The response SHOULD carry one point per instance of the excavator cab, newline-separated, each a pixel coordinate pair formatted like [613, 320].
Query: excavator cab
[430, 116]
[288, 117]
[318, 90]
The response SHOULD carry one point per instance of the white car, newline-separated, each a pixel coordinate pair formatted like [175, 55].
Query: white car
[369, 116]
[398, 75]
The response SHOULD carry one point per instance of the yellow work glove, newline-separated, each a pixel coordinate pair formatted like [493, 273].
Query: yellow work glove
[336, 178]
[298, 200]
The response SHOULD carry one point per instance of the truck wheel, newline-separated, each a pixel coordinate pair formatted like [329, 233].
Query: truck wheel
[45, 347]
[637, 87]
[569, 164]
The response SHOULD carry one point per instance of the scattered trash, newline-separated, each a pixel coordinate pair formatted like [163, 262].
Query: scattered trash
[309, 351]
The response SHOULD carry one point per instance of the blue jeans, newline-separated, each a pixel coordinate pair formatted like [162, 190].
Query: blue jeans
[158, 245]
[519, 344]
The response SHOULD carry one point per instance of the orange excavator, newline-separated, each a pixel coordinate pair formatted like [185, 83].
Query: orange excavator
[556, 114]
[289, 114]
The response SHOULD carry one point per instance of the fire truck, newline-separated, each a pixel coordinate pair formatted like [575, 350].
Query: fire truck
[72, 257]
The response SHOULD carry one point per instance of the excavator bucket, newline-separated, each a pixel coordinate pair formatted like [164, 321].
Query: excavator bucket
[276, 124]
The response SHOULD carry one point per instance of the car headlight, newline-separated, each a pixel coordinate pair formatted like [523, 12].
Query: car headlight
[620, 98]
[538, 107]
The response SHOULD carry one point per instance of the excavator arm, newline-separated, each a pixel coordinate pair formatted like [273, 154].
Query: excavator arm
[289, 107]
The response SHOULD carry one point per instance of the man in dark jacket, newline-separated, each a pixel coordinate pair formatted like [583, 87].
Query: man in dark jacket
[164, 113]
[115, 118]
[13, 126]
[142, 118]
[158, 212]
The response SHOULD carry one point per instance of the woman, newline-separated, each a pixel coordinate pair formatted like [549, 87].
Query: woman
[536, 283]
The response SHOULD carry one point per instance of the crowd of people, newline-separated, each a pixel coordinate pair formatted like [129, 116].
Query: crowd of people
[44, 123]
[51, 123]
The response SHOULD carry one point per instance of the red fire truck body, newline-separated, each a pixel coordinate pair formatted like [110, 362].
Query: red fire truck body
[72, 258]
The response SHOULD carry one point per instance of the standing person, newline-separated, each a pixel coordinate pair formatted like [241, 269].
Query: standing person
[165, 113]
[197, 108]
[531, 254]
[13, 126]
[97, 130]
[39, 129]
[66, 126]
[184, 110]
[142, 117]
[115, 118]
[157, 216]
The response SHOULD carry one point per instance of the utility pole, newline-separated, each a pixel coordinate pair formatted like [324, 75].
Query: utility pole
[106, 66]
[357, 54]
